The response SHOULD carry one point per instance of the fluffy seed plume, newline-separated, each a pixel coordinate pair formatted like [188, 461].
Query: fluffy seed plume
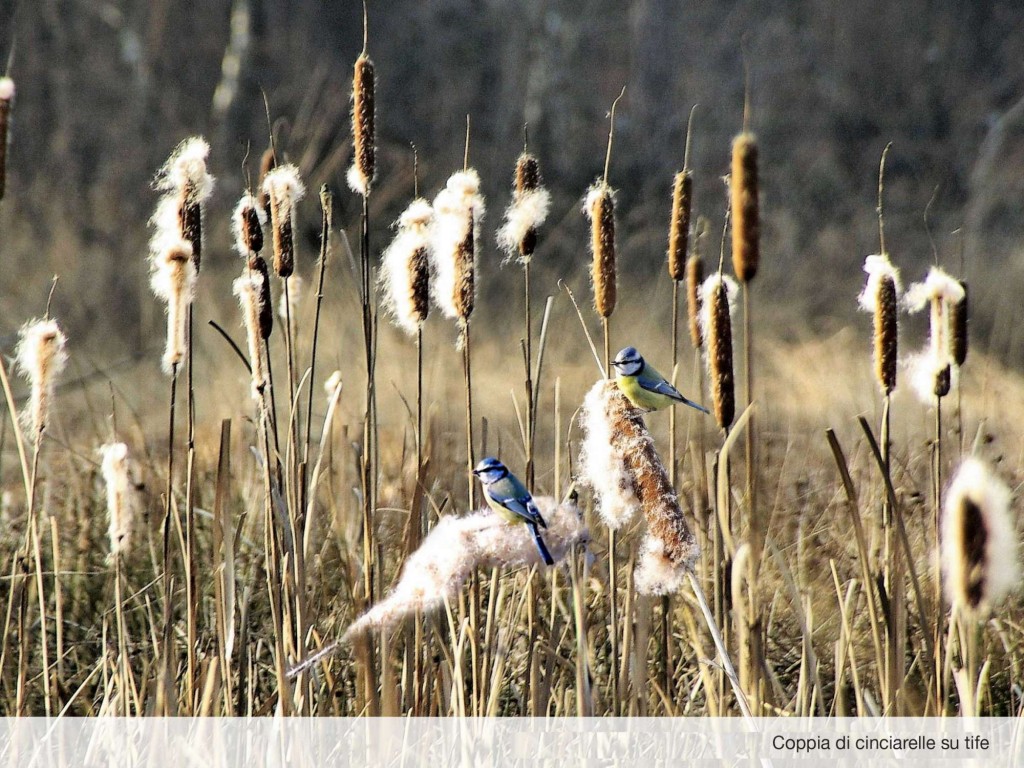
[621, 464]
[880, 297]
[292, 291]
[979, 543]
[249, 291]
[456, 547]
[694, 280]
[41, 357]
[405, 268]
[364, 161]
[122, 497]
[746, 227]
[284, 189]
[960, 314]
[679, 227]
[932, 369]
[718, 296]
[458, 212]
[187, 186]
[173, 279]
[247, 223]
[600, 209]
[259, 266]
[6, 103]
[527, 211]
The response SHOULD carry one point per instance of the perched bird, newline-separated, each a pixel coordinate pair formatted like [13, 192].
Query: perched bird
[510, 499]
[643, 386]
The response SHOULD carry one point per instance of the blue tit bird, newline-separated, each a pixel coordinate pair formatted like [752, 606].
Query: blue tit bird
[643, 386]
[510, 499]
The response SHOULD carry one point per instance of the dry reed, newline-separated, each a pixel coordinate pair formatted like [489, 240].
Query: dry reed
[6, 105]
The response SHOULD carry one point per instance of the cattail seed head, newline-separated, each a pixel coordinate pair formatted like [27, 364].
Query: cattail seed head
[173, 279]
[880, 297]
[118, 470]
[454, 234]
[600, 209]
[694, 280]
[527, 211]
[932, 371]
[978, 542]
[258, 265]
[284, 189]
[268, 162]
[718, 295]
[41, 358]
[405, 268]
[959, 315]
[247, 225]
[364, 164]
[249, 291]
[746, 228]
[184, 178]
[6, 104]
[679, 227]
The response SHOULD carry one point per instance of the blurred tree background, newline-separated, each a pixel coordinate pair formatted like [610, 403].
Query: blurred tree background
[107, 89]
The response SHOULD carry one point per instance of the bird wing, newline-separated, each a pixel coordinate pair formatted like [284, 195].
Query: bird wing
[653, 381]
[521, 505]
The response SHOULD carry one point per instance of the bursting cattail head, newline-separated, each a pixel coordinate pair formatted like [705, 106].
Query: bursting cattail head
[123, 502]
[458, 212]
[881, 297]
[679, 227]
[527, 211]
[619, 461]
[268, 162]
[694, 280]
[173, 279]
[41, 358]
[718, 295]
[364, 161]
[6, 103]
[960, 314]
[600, 209]
[978, 543]
[405, 268]
[746, 227]
[185, 180]
[933, 369]
[284, 189]
[249, 290]
[247, 223]
[456, 547]
[258, 265]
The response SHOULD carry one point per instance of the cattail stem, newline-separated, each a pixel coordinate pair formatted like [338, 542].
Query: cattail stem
[605, 323]
[326, 202]
[530, 410]
[940, 614]
[164, 695]
[468, 373]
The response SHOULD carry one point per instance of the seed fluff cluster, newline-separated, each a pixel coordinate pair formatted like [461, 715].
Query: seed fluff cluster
[933, 369]
[405, 268]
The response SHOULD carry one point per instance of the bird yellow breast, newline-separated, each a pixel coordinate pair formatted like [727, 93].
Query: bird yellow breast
[640, 397]
[508, 515]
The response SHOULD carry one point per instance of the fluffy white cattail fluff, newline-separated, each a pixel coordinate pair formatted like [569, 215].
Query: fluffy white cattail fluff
[247, 222]
[405, 268]
[458, 212]
[459, 545]
[711, 284]
[332, 383]
[41, 357]
[187, 186]
[122, 497]
[602, 465]
[248, 289]
[284, 189]
[6, 89]
[526, 213]
[979, 543]
[933, 370]
[877, 266]
[173, 279]
[292, 289]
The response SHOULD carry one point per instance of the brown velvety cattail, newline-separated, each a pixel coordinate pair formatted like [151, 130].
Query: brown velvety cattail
[6, 103]
[41, 357]
[268, 162]
[694, 280]
[717, 296]
[259, 265]
[932, 369]
[187, 186]
[405, 268]
[247, 225]
[284, 189]
[745, 224]
[527, 211]
[364, 161]
[620, 462]
[960, 313]
[600, 209]
[454, 233]
[978, 542]
[679, 227]
[880, 297]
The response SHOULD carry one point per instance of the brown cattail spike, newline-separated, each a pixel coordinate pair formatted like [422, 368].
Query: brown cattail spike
[694, 279]
[190, 214]
[942, 381]
[284, 189]
[465, 274]
[716, 320]
[958, 320]
[252, 232]
[601, 209]
[364, 167]
[745, 224]
[259, 265]
[886, 333]
[419, 272]
[6, 101]
[679, 228]
[527, 180]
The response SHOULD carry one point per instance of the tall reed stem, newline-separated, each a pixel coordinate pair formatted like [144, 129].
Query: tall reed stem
[164, 696]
